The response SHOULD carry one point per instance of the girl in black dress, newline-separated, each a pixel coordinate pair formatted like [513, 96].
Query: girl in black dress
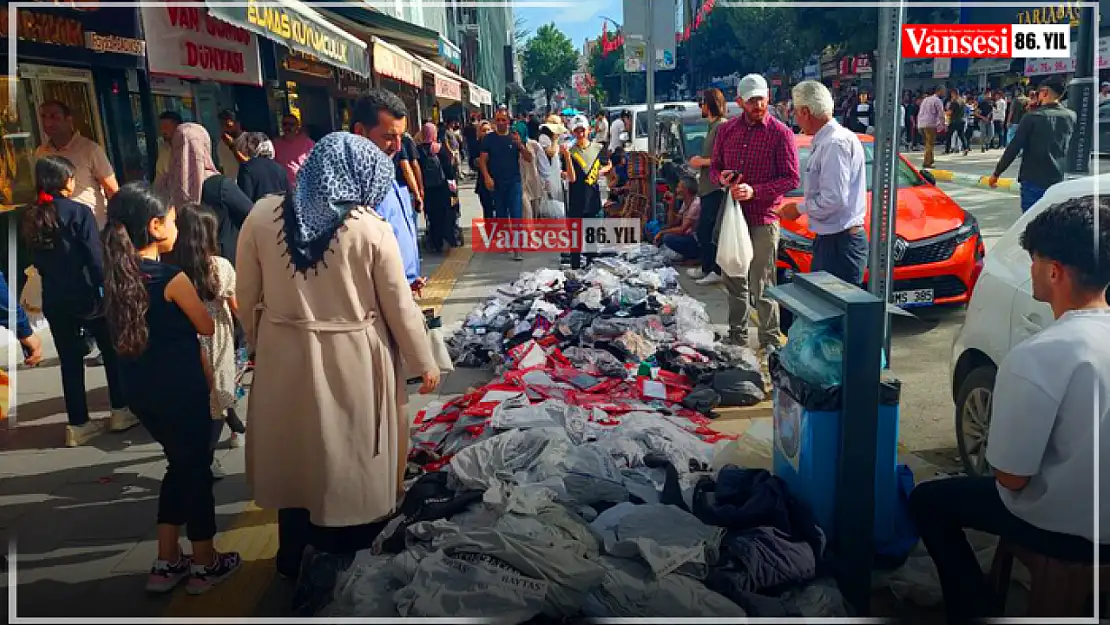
[155, 315]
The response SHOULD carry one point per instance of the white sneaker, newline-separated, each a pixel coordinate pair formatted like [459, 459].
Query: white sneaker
[77, 435]
[237, 440]
[695, 273]
[713, 278]
[123, 419]
[218, 472]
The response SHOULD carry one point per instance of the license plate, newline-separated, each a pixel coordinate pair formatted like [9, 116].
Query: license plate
[918, 297]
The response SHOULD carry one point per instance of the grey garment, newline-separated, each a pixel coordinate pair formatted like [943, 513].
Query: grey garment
[665, 538]
[630, 591]
[483, 572]
[705, 185]
[366, 589]
[520, 470]
[760, 559]
[742, 290]
[554, 524]
[818, 599]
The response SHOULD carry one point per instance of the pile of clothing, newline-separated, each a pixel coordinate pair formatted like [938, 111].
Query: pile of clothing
[579, 482]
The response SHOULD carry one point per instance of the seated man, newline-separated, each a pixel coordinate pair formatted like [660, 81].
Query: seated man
[1051, 393]
[681, 237]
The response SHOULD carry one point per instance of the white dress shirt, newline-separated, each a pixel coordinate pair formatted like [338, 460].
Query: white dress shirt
[835, 181]
[615, 130]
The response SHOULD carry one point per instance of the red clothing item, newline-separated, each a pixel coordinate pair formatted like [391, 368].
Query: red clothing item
[767, 157]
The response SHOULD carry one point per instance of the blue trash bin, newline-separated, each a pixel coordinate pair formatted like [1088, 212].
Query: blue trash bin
[806, 450]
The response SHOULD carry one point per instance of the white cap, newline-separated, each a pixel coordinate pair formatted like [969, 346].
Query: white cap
[752, 86]
[579, 121]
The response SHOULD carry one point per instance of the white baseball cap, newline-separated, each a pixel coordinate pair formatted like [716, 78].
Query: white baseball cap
[579, 121]
[752, 86]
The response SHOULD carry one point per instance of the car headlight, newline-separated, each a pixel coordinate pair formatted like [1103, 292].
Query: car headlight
[968, 230]
[796, 242]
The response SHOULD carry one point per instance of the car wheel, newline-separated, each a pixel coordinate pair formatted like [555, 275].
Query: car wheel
[973, 417]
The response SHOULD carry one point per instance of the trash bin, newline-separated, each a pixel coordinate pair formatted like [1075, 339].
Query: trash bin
[806, 450]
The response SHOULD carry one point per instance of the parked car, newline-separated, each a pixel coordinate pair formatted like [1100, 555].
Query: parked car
[1001, 314]
[938, 252]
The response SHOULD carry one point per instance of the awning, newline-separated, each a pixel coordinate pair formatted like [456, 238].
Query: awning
[395, 63]
[299, 27]
[485, 96]
[377, 24]
[987, 67]
[472, 91]
[448, 85]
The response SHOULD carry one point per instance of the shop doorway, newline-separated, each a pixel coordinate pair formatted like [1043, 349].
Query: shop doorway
[73, 87]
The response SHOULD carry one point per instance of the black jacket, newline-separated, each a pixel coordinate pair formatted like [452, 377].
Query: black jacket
[231, 205]
[72, 269]
[262, 176]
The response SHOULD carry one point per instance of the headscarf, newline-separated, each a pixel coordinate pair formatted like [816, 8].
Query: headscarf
[343, 172]
[430, 137]
[255, 145]
[190, 164]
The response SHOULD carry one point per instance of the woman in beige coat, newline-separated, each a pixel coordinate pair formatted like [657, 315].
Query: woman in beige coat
[332, 317]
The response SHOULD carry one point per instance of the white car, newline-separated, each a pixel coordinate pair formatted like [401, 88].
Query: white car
[1001, 314]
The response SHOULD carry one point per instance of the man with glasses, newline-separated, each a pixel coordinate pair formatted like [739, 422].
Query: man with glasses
[1042, 140]
[292, 148]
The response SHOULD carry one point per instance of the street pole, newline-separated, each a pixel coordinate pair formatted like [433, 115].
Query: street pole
[650, 79]
[884, 196]
[1081, 95]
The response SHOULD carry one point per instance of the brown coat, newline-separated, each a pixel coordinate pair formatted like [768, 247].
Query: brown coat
[328, 431]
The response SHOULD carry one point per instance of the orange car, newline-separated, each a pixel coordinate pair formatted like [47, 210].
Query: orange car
[938, 252]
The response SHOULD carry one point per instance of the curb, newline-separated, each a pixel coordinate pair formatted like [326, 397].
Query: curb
[1010, 185]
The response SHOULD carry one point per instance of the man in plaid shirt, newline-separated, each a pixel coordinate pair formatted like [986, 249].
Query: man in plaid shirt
[755, 157]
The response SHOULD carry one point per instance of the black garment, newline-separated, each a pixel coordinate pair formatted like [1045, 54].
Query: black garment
[1042, 140]
[67, 328]
[428, 499]
[534, 129]
[843, 254]
[961, 130]
[485, 197]
[503, 160]
[406, 153]
[186, 495]
[231, 205]
[584, 202]
[943, 509]
[73, 269]
[710, 206]
[437, 202]
[262, 176]
[296, 531]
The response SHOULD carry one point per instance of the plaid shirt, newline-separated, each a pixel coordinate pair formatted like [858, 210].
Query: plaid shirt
[765, 153]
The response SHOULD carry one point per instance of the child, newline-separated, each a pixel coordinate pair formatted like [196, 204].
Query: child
[197, 254]
[155, 315]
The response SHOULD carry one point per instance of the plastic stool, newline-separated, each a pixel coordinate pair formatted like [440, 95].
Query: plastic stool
[1057, 588]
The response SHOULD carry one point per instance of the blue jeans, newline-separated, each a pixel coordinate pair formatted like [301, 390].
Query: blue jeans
[508, 199]
[1030, 194]
[684, 244]
[843, 254]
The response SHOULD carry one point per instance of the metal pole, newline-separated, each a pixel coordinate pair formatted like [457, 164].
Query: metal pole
[650, 79]
[1081, 94]
[884, 195]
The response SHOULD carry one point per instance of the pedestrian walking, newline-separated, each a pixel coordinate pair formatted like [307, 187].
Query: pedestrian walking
[711, 196]
[439, 180]
[755, 157]
[958, 135]
[983, 114]
[502, 151]
[197, 253]
[408, 173]
[260, 175]
[532, 185]
[292, 147]
[485, 196]
[155, 317]
[331, 458]
[64, 247]
[168, 122]
[587, 166]
[229, 157]
[930, 120]
[835, 187]
[93, 178]
[998, 118]
[1042, 141]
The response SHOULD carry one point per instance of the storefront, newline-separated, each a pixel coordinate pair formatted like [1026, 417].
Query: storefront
[397, 71]
[348, 87]
[308, 85]
[993, 73]
[917, 75]
[442, 90]
[91, 60]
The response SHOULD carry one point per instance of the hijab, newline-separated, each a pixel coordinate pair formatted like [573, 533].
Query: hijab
[190, 164]
[343, 173]
[430, 137]
[255, 145]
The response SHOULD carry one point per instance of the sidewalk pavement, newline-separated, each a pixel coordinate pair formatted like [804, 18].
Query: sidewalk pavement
[82, 521]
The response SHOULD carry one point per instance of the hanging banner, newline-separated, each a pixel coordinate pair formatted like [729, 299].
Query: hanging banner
[942, 68]
[193, 44]
[394, 63]
[448, 89]
[1041, 67]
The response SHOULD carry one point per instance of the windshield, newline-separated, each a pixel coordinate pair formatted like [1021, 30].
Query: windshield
[906, 176]
[695, 137]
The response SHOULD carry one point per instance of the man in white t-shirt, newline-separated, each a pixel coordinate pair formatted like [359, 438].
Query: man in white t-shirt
[619, 126]
[998, 118]
[1050, 394]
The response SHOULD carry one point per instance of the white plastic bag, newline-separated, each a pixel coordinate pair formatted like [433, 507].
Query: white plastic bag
[734, 249]
[550, 208]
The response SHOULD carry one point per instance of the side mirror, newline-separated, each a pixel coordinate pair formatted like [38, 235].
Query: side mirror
[929, 177]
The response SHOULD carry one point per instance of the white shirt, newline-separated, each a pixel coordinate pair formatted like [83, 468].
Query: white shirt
[998, 114]
[1050, 391]
[615, 131]
[602, 136]
[835, 181]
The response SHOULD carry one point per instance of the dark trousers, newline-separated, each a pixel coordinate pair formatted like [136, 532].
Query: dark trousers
[707, 221]
[70, 342]
[1030, 194]
[186, 438]
[944, 508]
[440, 216]
[296, 531]
[1000, 133]
[843, 254]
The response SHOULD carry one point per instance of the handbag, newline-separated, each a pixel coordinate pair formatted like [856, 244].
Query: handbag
[734, 247]
[433, 325]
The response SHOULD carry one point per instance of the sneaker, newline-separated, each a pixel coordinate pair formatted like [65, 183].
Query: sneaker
[218, 472]
[518, 256]
[203, 578]
[77, 435]
[165, 576]
[711, 279]
[695, 273]
[237, 440]
[123, 419]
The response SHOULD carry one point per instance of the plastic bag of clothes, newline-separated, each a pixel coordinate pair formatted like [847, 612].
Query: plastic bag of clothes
[815, 352]
[629, 590]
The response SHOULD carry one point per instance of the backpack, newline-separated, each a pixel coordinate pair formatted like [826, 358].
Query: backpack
[432, 168]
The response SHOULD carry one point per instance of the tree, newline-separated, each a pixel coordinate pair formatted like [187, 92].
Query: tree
[520, 33]
[549, 61]
[606, 71]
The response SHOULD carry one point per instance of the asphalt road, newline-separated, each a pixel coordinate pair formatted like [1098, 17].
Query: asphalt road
[922, 346]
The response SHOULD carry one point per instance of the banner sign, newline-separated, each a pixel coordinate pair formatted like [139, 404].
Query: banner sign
[193, 44]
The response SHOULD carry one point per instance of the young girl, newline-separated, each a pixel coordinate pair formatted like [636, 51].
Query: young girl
[155, 315]
[64, 248]
[197, 253]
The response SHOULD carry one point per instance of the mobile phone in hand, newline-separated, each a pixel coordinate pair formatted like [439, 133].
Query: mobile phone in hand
[728, 176]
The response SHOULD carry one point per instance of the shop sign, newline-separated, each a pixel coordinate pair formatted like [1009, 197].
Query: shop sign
[1041, 67]
[942, 68]
[299, 29]
[194, 44]
[115, 44]
[305, 64]
[829, 68]
[986, 67]
[861, 64]
[393, 65]
[473, 96]
[448, 89]
[919, 67]
[350, 82]
[449, 52]
[48, 28]
[487, 97]
[168, 85]
[846, 66]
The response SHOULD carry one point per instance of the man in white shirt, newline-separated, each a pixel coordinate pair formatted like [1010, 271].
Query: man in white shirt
[617, 128]
[998, 118]
[1051, 393]
[601, 128]
[835, 187]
